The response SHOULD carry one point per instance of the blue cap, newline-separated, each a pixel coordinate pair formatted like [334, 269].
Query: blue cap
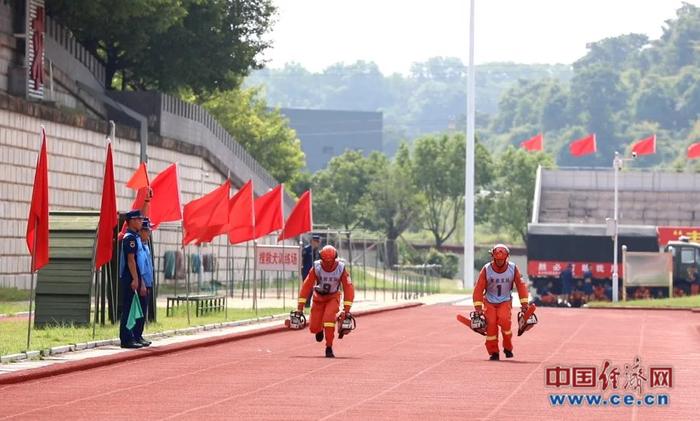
[315, 236]
[134, 214]
[146, 224]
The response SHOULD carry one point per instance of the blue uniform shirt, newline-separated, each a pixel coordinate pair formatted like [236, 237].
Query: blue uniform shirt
[145, 265]
[308, 257]
[131, 244]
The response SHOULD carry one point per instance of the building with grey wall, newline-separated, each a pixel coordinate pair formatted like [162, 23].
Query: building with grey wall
[328, 133]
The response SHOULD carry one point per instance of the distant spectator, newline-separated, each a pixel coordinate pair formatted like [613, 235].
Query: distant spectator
[566, 278]
[587, 282]
[599, 292]
[309, 255]
[577, 299]
[546, 297]
[608, 292]
[642, 293]
[692, 280]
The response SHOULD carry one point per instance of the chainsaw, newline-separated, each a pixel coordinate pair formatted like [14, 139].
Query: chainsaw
[527, 320]
[476, 322]
[346, 326]
[296, 320]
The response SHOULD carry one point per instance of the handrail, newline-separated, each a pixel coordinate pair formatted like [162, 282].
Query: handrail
[67, 40]
[198, 114]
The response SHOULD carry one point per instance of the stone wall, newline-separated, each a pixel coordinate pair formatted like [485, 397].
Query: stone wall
[76, 154]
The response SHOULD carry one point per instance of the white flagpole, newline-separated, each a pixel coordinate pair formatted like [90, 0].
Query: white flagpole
[469, 173]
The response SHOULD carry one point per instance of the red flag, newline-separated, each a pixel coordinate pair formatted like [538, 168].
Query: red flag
[218, 219]
[268, 212]
[300, 220]
[206, 214]
[583, 146]
[241, 216]
[165, 203]
[38, 221]
[645, 146]
[533, 144]
[139, 179]
[108, 214]
[694, 150]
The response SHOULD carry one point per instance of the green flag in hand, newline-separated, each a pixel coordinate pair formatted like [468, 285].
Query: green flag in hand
[135, 312]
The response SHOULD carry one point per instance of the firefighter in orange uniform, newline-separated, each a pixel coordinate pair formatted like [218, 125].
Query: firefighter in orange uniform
[496, 281]
[325, 279]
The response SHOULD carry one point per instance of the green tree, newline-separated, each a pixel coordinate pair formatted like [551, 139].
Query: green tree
[616, 52]
[340, 187]
[654, 101]
[678, 44]
[514, 188]
[392, 202]
[263, 133]
[437, 170]
[170, 44]
[437, 166]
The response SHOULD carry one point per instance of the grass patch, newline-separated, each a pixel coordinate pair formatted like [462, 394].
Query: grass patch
[368, 281]
[13, 307]
[677, 302]
[13, 294]
[14, 333]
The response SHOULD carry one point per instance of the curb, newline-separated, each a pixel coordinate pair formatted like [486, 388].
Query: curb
[62, 349]
[89, 363]
[690, 309]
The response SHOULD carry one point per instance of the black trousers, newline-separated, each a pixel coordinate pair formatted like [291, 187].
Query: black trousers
[141, 323]
[127, 294]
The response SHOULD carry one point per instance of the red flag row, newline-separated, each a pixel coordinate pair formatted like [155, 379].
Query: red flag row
[241, 217]
[587, 145]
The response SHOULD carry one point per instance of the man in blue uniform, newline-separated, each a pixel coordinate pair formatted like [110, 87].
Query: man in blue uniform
[145, 265]
[129, 274]
[309, 255]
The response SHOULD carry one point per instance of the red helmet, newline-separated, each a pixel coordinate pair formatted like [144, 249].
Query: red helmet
[328, 256]
[499, 252]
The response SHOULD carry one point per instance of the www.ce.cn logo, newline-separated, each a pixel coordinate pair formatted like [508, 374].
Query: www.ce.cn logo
[633, 377]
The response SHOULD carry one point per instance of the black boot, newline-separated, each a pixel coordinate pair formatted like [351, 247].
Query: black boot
[319, 336]
[508, 352]
[494, 357]
[329, 352]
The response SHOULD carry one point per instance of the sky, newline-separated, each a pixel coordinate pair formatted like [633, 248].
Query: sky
[396, 33]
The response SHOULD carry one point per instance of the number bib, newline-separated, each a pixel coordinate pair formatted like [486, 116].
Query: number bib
[328, 282]
[499, 285]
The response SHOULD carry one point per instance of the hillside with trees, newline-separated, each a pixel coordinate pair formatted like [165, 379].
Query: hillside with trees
[624, 88]
[430, 99]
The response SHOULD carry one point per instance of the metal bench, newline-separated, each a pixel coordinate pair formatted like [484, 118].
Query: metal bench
[203, 303]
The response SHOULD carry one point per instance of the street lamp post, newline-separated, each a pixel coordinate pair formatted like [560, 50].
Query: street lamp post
[469, 163]
[617, 167]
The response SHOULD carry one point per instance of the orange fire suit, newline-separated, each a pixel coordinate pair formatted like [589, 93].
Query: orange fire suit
[493, 291]
[325, 305]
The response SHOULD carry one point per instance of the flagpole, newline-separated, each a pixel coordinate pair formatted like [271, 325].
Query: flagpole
[469, 163]
[228, 268]
[255, 277]
[92, 273]
[284, 287]
[187, 282]
[31, 278]
[94, 248]
[31, 295]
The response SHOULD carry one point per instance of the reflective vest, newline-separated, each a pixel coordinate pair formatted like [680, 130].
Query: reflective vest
[328, 282]
[499, 285]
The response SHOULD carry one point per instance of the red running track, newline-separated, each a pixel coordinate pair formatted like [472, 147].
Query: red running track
[409, 364]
